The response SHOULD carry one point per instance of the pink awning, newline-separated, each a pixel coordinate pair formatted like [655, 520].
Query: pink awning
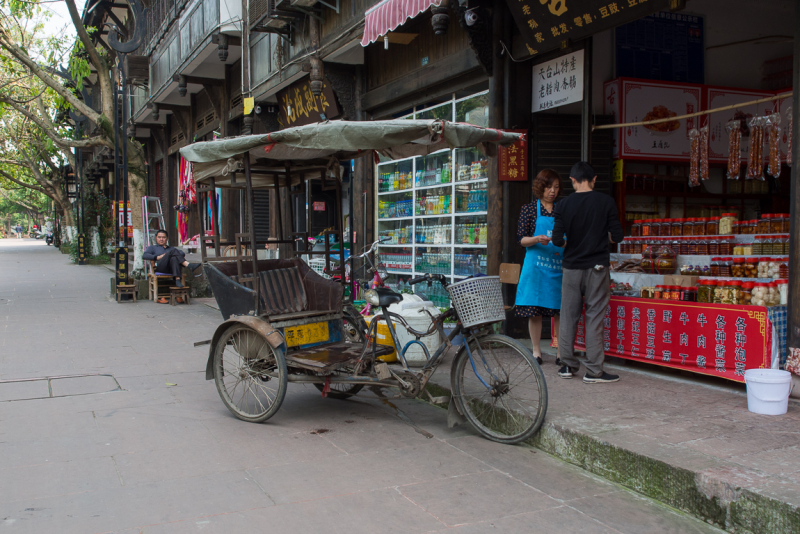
[389, 14]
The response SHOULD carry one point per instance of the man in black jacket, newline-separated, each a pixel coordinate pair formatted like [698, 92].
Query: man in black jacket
[588, 220]
[169, 260]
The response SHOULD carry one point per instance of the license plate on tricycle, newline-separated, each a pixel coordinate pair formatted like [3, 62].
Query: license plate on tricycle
[306, 334]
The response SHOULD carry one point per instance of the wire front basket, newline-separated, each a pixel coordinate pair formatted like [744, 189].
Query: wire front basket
[478, 300]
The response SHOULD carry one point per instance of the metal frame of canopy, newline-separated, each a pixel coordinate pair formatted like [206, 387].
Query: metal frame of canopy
[291, 157]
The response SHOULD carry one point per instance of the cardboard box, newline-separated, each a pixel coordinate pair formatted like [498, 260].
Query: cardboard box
[680, 280]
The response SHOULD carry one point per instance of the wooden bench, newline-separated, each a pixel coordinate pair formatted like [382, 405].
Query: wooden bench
[126, 289]
[178, 292]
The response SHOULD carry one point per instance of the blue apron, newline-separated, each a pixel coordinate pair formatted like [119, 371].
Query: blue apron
[540, 279]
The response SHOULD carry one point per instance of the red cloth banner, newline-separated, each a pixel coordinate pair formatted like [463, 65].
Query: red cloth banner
[513, 160]
[712, 339]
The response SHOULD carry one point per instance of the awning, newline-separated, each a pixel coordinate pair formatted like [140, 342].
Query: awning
[389, 14]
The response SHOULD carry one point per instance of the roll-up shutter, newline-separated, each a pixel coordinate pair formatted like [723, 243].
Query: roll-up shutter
[261, 214]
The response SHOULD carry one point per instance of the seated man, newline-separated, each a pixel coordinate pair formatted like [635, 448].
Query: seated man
[169, 260]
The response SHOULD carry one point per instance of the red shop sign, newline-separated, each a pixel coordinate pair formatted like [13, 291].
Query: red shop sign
[319, 206]
[513, 159]
[711, 339]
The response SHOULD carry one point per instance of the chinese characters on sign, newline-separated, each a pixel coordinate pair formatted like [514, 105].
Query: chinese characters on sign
[319, 206]
[513, 160]
[546, 24]
[299, 106]
[558, 82]
[121, 219]
[720, 341]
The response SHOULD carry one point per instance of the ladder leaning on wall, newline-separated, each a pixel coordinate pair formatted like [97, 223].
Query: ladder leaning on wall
[149, 226]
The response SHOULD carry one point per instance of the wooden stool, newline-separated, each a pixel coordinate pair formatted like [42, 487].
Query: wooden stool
[126, 289]
[175, 292]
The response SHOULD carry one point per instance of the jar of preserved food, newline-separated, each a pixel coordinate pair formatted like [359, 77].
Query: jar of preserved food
[738, 250]
[726, 245]
[786, 223]
[666, 227]
[712, 225]
[676, 292]
[689, 294]
[757, 247]
[713, 245]
[726, 223]
[762, 268]
[655, 227]
[768, 245]
[704, 289]
[734, 288]
[746, 293]
[783, 291]
[773, 297]
[702, 246]
[726, 267]
[751, 267]
[759, 295]
[666, 261]
[676, 227]
[699, 226]
[683, 246]
[713, 268]
[659, 292]
[763, 224]
[646, 228]
[753, 227]
[636, 228]
[737, 269]
[692, 245]
[783, 267]
[784, 244]
[686, 226]
[776, 223]
[720, 292]
[648, 261]
[747, 249]
[736, 228]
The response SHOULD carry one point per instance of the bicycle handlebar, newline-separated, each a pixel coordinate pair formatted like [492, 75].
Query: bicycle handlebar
[371, 248]
[429, 278]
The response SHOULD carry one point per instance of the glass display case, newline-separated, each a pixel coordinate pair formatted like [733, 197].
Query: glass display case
[433, 208]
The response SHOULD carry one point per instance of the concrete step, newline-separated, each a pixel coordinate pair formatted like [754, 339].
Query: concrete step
[686, 441]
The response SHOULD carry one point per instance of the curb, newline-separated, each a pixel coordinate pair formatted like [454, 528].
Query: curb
[701, 495]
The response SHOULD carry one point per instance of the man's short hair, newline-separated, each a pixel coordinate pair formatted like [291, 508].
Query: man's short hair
[582, 172]
[162, 232]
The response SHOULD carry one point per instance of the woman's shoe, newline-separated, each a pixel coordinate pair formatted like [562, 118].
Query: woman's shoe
[539, 359]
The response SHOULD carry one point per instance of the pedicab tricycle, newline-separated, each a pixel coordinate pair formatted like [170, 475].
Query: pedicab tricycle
[284, 322]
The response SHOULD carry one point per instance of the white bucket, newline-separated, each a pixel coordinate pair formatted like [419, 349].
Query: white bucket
[768, 390]
[410, 308]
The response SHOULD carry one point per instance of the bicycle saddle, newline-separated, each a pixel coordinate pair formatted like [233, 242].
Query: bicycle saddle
[387, 297]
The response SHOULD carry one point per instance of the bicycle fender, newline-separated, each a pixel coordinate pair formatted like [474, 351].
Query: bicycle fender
[264, 328]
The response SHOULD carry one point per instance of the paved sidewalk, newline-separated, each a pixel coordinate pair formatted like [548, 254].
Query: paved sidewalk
[686, 440]
[151, 448]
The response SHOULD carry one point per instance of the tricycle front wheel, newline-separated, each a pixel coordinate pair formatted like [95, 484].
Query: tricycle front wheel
[249, 373]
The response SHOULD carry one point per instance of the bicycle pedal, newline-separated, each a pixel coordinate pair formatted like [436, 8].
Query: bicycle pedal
[382, 370]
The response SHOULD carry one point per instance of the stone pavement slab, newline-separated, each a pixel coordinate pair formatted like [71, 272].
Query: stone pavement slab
[162, 454]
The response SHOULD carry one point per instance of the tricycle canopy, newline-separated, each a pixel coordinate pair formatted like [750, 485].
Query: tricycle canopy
[308, 151]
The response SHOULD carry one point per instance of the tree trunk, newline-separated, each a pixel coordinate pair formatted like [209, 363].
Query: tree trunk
[137, 188]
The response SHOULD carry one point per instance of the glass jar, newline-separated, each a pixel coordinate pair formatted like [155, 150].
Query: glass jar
[734, 288]
[762, 268]
[692, 245]
[713, 246]
[783, 291]
[666, 262]
[746, 293]
[683, 246]
[786, 223]
[655, 227]
[686, 226]
[784, 244]
[747, 249]
[737, 268]
[725, 265]
[646, 228]
[648, 260]
[658, 292]
[736, 228]
[751, 268]
[776, 223]
[726, 245]
[704, 290]
[699, 226]
[689, 294]
[773, 296]
[636, 228]
[763, 224]
[713, 269]
[757, 247]
[676, 227]
[768, 246]
[676, 292]
[783, 267]
[752, 228]
[738, 250]
[726, 223]
[720, 291]
[759, 295]
[702, 247]
[712, 226]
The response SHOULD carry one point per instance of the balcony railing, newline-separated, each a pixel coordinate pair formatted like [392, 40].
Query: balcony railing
[160, 16]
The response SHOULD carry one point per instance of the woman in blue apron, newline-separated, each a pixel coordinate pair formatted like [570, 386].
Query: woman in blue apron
[539, 289]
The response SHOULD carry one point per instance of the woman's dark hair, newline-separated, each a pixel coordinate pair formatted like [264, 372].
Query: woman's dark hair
[543, 180]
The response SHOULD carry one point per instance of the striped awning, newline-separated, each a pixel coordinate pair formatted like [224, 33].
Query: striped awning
[389, 14]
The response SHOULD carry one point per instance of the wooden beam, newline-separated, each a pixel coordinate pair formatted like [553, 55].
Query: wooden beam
[199, 80]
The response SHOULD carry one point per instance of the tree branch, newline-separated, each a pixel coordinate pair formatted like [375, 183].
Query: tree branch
[36, 188]
[83, 35]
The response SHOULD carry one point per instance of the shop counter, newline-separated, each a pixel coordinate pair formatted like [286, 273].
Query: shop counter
[712, 339]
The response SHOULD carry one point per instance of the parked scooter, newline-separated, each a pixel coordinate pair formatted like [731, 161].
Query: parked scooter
[48, 238]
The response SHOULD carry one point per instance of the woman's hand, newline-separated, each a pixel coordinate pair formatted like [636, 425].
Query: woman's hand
[535, 240]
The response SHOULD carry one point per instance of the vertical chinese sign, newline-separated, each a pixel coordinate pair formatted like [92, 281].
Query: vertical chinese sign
[716, 340]
[548, 24]
[513, 160]
[121, 218]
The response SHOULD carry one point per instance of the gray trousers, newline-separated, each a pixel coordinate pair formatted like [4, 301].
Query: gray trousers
[591, 288]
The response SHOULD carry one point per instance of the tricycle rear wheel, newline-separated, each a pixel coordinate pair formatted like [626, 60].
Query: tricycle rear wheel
[249, 373]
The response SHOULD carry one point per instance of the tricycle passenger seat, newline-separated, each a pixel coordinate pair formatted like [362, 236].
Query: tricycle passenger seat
[282, 291]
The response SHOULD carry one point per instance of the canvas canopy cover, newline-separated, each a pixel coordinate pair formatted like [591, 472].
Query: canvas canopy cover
[311, 150]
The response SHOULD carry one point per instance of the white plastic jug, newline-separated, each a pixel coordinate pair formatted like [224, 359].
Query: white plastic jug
[768, 390]
[411, 309]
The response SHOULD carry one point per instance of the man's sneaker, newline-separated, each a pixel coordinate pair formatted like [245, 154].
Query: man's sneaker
[602, 378]
[566, 371]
